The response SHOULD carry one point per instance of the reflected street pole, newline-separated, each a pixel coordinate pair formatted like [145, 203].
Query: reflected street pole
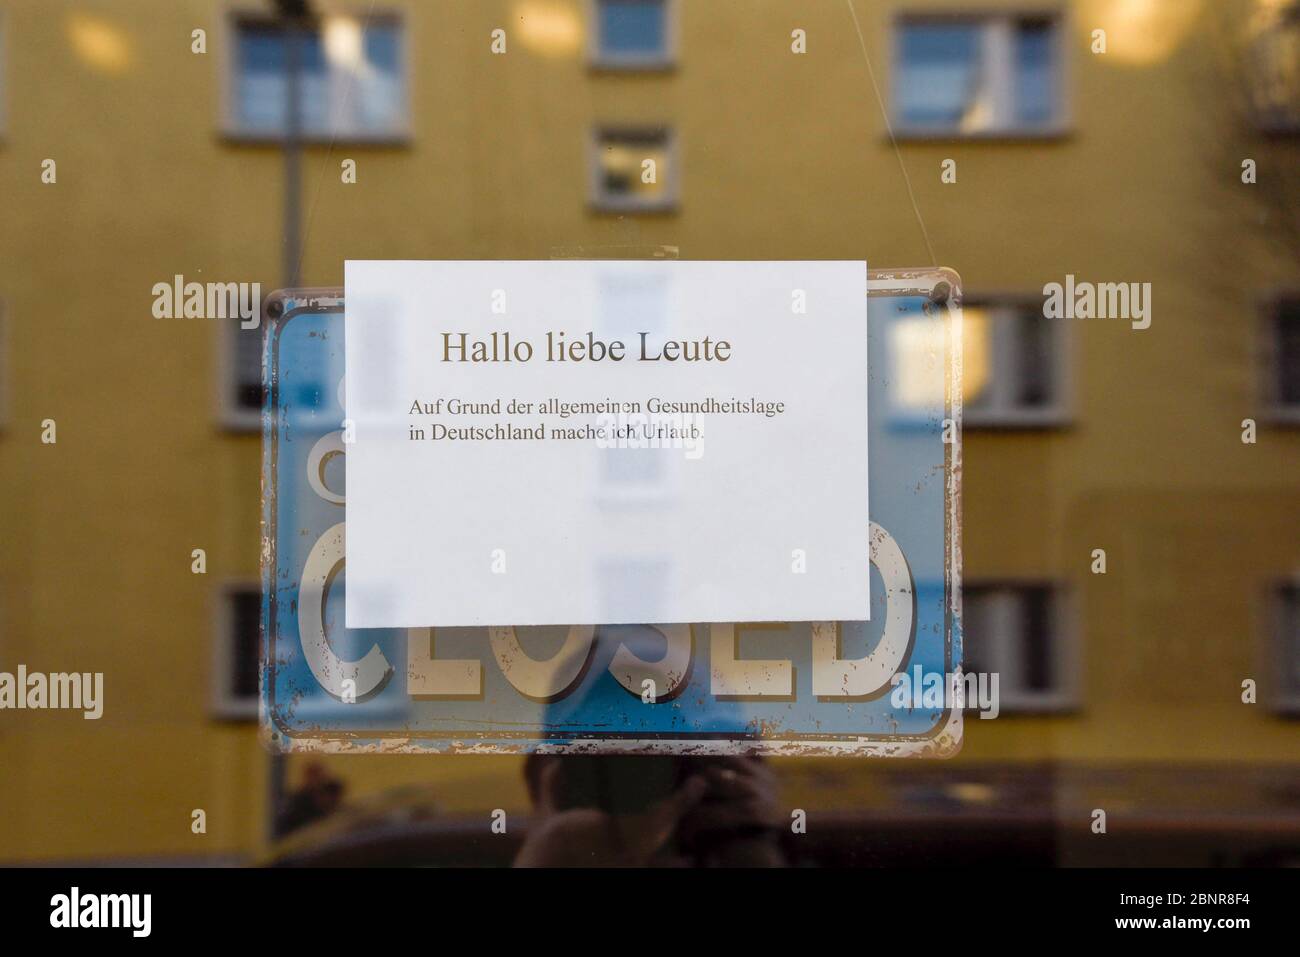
[296, 17]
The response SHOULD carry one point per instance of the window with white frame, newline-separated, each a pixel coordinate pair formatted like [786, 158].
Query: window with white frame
[1014, 366]
[999, 74]
[1285, 696]
[632, 34]
[1019, 631]
[350, 78]
[1282, 328]
[237, 652]
[634, 170]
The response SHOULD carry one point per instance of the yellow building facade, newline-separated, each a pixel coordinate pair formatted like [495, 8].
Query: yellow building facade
[772, 154]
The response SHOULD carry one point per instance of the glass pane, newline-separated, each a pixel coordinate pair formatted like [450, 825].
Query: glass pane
[977, 358]
[1035, 72]
[937, 74]
[260, 87]
[622, 166]
[1288, 352]
[1035, 362]
[1036, 649]
[976, 627]
[349, 82]
[245, 623]
[1290, 638]
[248, 369]
[632, 27]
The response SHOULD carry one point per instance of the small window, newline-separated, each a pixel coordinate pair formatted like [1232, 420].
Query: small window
[1013, 366]
[1018, 632]
[241, 379]
[1286, 648]
[632, 34]
[237, 652]
[634, 170]
[350, 79]
[1283, 368]
[996, 75]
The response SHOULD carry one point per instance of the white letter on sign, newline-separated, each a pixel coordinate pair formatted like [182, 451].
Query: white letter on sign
[733, 677]
[428, 677]
[834, 676]
[370, 673]
[666, 673]
[543, 680]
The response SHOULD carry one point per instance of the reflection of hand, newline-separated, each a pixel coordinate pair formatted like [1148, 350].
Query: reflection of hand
[738, 822]
[741, 797]
[589, 837]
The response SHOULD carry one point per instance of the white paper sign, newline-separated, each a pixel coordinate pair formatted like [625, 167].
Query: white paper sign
[566, 442]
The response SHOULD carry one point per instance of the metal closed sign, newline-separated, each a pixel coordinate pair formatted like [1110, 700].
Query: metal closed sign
[629, 677]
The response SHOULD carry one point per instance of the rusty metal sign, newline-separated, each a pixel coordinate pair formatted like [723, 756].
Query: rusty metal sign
[888, 687]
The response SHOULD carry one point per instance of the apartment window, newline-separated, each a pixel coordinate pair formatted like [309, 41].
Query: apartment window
[1286, 647]
[351, 79]
[1283, 368]
[1019, 631]
[976, 76]
[632, 34]
[237, 652]
[1013, 366]
[634, 170]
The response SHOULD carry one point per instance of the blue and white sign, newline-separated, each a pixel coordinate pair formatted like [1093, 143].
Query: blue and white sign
[888, 686]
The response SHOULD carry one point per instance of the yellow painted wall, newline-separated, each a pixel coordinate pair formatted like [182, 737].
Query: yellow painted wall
[782, 157]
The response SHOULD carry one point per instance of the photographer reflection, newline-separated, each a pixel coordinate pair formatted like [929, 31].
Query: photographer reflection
[650, 811]
[645, 810]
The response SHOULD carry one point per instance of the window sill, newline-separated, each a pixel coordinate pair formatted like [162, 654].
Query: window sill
[615, 208]
[236, 137]
[1283, 416]
[235, 710]
[1015, 421]
[616, 66]
[240, 423]
[912, 134]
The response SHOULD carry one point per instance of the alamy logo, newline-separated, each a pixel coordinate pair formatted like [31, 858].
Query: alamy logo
[211, 300]
[81, 691]
[103, 910]
[1106, 300]
[634, 430]
[935, 690]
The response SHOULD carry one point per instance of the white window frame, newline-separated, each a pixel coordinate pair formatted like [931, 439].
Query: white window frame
[997, 36]
[600, 59]
[1276, 411]
[603, 202]
[224, 704]
[227, 65]
[1002, 653]
[1002, 413]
